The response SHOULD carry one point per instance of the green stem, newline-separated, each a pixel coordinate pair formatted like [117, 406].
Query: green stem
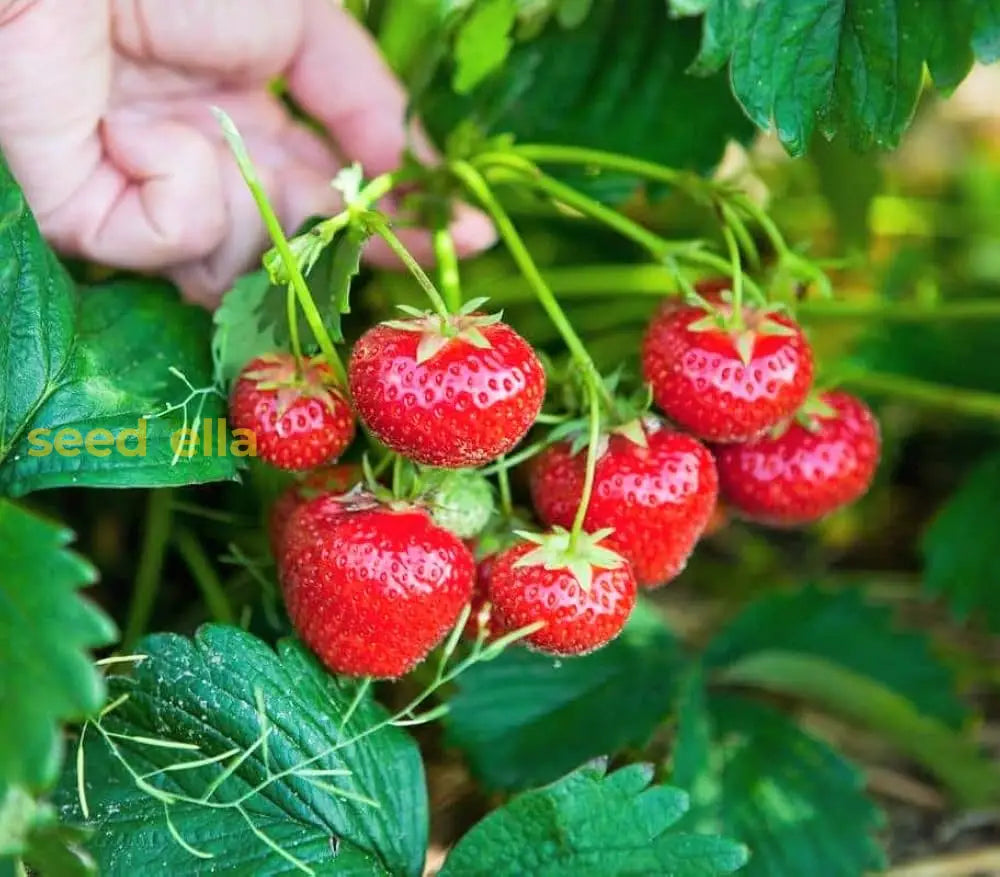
[381, 228]
[546, 153]
[447, 262]
[503, 480]
[659, 247]
[277, 233]
[293, 323]
[759, 215]
[479, 188]
[594, 438]
[159, 516]
[737, 273]
[941, 396]
[204, 575]
[397, 475]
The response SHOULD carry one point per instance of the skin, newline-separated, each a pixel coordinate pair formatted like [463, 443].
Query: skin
[106, 124]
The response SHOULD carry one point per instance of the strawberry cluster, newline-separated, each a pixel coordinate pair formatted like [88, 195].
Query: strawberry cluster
[373, 581]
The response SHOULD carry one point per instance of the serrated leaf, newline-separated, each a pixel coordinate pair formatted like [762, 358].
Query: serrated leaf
[239, 335]
[959, 563]
[758, 778]
[591, 824]
[344, 267]
[221, 691]
[841, 627]
[45, 632]
[615, 82]
[856, 67]
[525, 719]
[95, 360]
[483, 42]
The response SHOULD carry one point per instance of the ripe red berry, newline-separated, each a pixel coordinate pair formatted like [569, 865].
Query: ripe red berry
[455, 394]
[372, 589]
[807, 470]
[330, 479]
[657, 496]
[582, 595]
[300, 417]
[726, 385]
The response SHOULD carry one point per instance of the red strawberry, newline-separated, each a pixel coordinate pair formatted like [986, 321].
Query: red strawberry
[454, 394]
[807, 470]
[582, 594]
[723, 380]
[330, 479]
[657, 495]
[369, 588]
[300, 417]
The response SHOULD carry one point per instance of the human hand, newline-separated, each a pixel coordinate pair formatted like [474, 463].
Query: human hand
[105, 121]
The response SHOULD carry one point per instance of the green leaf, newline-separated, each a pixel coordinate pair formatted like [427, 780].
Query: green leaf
[615, 82]
[839, 626]
[30, 832]
[45, 631]
[852, 66]
[591, 824]
[282, 713]
[239, 335]
[100, 360]
[790, 798]
[525, 719]
[959, 563]
[483, 42]
[345, 263]
[955, 759]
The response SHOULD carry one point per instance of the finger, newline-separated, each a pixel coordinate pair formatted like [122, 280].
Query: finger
[340, 78]
[235, 40]
[54, 81]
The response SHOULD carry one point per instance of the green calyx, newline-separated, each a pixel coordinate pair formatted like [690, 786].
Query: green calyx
[437, 331]
[809, 416]
[294, 379]
[743, 324]
[580, 556]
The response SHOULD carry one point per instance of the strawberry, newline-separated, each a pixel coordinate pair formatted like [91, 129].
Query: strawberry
[723, 376]
[372, 588]
[582, 593]
[330, 479]
[824, 459]
[300, 417]
[460, 501]
[453, 393]
[656, 488]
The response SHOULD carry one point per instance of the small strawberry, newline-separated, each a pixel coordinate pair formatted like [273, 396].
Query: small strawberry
[824, 459]
[582, 593]
[371, 589]
[723, 376]
[459, 500]
[454, 393]
[330, 479]
[656, 488]
[300, 417]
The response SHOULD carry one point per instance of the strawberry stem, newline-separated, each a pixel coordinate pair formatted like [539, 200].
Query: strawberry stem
[940, 396]
[378, 225]
[480, 189]
[660, 248]
[293, 324]
[503, 481]
[547, 153]
[594, 437]
[447, 263]
[274, 229]
[736, 269]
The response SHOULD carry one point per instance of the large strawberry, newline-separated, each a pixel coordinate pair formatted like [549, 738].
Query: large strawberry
[300, 417]
[581, 594]
[336, 479]
[726, 376]
[823, 459]
[655, 487]
[455, 392]
[372, 589]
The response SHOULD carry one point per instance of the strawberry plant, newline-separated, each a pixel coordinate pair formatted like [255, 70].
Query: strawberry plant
[657, 539]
